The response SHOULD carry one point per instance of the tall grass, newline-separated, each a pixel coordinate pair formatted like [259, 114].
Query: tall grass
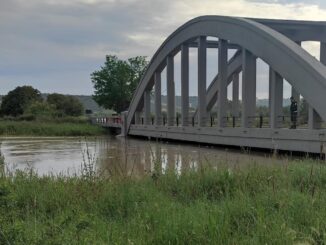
[37, 128]
[254, 205]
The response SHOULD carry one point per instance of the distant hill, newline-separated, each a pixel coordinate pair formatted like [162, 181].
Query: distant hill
[90, 104]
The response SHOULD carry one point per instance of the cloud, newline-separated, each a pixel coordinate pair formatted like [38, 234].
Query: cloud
[56, 44]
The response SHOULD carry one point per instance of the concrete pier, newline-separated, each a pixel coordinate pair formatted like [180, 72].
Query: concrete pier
[170, 90]
[185, 84]
[235, 95]
[223, 82]
[248, 89]
[157, 97]
[276, 100]
[202, 53]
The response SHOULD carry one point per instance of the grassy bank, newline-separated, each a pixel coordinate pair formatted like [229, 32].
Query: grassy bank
[256, 205]
[47, 128]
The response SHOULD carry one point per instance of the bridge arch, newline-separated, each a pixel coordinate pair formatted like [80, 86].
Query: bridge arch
[287, 58]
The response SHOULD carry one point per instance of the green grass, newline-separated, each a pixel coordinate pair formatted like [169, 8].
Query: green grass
[39, 128]
[254, 205]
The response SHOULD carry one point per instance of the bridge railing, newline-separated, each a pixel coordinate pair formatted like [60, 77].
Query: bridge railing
[112, 120]
[257, 121]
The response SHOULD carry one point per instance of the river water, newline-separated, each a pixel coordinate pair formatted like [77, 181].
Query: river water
[116, 155]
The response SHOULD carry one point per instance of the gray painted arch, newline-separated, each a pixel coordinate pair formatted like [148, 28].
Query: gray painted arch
[297, 66]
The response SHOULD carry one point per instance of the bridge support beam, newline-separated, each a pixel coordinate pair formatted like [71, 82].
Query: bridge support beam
[276, 99]
[202, 111]
[170, 90]
[248, 88]
[223, 83]
[147, 107]
[235, 95]
[137, 117]
[158, 102]
[315, 120]
[185, 84]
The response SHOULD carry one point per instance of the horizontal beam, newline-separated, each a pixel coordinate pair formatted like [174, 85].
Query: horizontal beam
[276, 139]
[297, 30]
[214, 44]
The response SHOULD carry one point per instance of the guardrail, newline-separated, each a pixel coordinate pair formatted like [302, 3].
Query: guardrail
[113, 120]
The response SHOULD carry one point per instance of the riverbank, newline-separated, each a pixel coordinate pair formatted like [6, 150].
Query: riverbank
[255, 205]
[48, 128]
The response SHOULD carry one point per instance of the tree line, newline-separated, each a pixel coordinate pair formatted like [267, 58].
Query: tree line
[26, 101]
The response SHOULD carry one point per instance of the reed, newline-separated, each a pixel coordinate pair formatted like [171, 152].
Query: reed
[39, 128]
[278, 204]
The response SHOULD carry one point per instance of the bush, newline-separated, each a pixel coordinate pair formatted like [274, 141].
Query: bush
[17, 100]
[40, 109]
[65, 105]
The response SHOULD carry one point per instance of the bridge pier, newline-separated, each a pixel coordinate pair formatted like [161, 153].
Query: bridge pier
[202, 60]
[235, 95]
[276, 99]
[248, 88]
[158, 102]
[170, 90]
[223, 82]
[147, 107]
[137, 117]
[185, 85]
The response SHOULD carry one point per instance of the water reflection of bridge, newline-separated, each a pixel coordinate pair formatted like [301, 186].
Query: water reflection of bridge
[277, 43]
[135, 157]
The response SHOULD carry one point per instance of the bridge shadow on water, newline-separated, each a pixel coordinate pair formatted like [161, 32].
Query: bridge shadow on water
[139, 156]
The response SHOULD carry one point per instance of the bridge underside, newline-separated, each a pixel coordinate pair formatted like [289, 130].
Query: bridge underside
[313, 141]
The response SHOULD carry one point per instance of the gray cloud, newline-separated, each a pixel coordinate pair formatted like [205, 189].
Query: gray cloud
[54, 45]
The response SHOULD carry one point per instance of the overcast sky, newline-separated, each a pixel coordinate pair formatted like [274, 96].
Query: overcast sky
[54, 45]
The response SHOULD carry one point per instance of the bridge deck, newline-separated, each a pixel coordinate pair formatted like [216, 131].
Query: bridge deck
[281, 139]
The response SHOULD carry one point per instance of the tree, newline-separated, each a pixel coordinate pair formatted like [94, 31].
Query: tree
[41, 109]
[73, 107]
[66, 105]
[17, 100]
[116, 81]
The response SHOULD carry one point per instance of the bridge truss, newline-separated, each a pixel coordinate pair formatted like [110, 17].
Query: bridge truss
[277, 43]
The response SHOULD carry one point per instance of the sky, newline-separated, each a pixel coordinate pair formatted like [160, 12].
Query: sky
[54, 45]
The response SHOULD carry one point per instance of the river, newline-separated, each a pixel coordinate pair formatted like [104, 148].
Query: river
[116, 155]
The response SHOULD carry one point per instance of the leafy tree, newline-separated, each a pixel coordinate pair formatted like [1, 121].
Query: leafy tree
[116, 81]
[65, 105]
[41, 109]
[73, 107]
[17, 100]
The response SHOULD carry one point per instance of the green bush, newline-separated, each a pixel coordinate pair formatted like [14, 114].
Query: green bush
[40, 110]
[65, 105]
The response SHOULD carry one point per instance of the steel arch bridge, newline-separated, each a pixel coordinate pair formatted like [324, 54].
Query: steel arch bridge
[277, 43]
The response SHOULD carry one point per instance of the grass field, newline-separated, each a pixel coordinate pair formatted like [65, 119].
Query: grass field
[254, 205]
[46, 128]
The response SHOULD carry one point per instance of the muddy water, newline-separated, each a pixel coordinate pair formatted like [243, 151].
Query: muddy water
[115, 155]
